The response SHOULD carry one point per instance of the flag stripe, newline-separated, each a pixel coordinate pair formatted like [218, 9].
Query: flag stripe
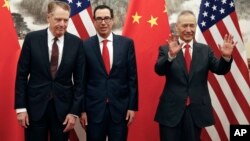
[237, 60]
[237, 57]
[220, 115]
[205, 136]
[73, 136]
[219, 110]
[230, 92]
[237, 74]
[234, 105]
[233, 102]
[222, 133]
[79, 131]
[234, 18]
[215, 33]
[87, 22]
[71, 28]
[79, 26]
[239, 97]
[220, 99]
[240, 53]
[213, 133]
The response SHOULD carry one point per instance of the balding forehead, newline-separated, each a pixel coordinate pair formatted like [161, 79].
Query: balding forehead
[186, 17]
[185, 13]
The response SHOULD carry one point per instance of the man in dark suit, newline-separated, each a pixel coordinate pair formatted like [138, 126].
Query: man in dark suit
[111, 93]
[185, 104]
[49, 79]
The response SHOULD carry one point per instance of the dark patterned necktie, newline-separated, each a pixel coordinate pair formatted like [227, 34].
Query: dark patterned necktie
[54, 59]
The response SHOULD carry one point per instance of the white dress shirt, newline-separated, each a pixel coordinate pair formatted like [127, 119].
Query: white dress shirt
[109, 45]
[59, 42]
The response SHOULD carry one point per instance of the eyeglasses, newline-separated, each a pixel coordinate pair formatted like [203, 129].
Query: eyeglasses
[105, 19]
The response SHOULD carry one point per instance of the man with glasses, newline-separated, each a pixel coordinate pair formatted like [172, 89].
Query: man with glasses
[111, 89]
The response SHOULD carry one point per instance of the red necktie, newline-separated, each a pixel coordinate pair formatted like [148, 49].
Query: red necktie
[188, 62]
[187, 57]
[105, 56]
[54, 59]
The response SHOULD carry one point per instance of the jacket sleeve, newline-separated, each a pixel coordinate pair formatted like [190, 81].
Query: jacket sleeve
[132, 78]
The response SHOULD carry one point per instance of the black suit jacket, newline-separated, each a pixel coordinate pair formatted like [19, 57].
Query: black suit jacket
[34, 83]
[180, 84]
[119, 87]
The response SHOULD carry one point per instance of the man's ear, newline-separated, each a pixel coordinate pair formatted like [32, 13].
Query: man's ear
[48, 17]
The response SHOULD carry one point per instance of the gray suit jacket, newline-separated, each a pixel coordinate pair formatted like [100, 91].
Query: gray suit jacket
[179, 85]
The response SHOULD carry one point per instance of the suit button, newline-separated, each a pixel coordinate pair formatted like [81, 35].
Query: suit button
[107, 100]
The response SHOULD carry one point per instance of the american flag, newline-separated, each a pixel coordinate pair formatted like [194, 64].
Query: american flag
[230, 93]
[80, 24]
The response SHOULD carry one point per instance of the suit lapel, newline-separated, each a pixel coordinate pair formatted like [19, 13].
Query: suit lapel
[45, 50]
[97, 51]
[116, 46]
[181, 61]
[66, 48]
[195, 60]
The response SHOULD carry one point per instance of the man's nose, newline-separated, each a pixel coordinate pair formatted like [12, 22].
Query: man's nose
[188, 29]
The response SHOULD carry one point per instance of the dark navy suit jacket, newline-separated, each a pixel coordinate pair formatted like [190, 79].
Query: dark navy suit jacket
[120, 87]
[179, 85]
[34, 83]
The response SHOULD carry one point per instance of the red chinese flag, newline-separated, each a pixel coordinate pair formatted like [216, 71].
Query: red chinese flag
[9, 52]
[147, 24]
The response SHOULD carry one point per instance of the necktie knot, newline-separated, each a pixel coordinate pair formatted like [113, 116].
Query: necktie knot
[187, 46]
[105, 42]
[55, 40]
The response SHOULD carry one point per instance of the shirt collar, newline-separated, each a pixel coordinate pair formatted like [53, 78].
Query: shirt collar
[109, 38]
[184, 43]
[51, 36]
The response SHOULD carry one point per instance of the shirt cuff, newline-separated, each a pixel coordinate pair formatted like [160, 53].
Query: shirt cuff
[20, 110]
[171, 58]
[227, 59]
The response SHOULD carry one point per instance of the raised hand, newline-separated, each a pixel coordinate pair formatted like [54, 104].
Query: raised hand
[174, 47]
[228, 45]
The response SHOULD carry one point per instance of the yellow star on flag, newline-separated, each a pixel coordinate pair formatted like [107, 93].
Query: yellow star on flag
[6, 4]
[136, 18]
[152, 21]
